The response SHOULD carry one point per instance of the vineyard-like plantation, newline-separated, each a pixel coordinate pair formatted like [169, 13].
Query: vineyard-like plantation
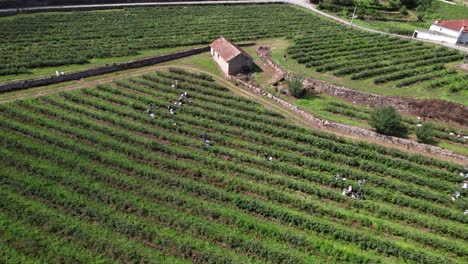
[52, 39]
[440, 131]
[380, 59]
[87, 176]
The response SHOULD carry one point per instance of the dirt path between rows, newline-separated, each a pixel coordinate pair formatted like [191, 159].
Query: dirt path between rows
[239, 90]
[39, 91]
[305, 123]
[354, 132]
[133, 73]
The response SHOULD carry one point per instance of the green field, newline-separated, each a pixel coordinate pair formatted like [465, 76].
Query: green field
[427, 90]
[87, 176]
[332, 109]
[399, 64]
[395, 27]
[34, 45]
[448, 11]
[35, 3]
[405, 24]
[59, 39]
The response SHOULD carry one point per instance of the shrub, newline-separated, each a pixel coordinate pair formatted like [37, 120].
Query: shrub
[295, 86]
[403, 10]
[454, 87]
[420, 16]
[387, 121]
[425, 132]
[394, 4]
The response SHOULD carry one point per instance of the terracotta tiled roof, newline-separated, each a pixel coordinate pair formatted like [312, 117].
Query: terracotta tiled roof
[226, 49]
[454, 24]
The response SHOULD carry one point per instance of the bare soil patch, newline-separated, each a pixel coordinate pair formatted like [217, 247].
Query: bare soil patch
[440, 109]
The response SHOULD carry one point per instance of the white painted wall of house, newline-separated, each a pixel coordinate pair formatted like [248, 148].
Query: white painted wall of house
[234, 66]
[444, 30]
[435, 37]
[222, 64]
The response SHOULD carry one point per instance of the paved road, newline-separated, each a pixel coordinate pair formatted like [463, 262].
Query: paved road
[448, 2]
[302, 3]
[306, 4]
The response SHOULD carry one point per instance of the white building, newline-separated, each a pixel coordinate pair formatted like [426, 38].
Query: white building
[230, 57]
[449, 31]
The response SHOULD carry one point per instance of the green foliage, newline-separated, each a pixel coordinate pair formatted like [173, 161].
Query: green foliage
[440, 10]
[295, 86]
[366, 3]
[387, 121]
[424, 5]
[425, 132]
[380, 59]
[409, 3]
[440, 131]
[394, 4]
[327, 5]
[88, 177]
[420, 16]
[340, 2]
[65, 38]
[454, 87]
[403, 10]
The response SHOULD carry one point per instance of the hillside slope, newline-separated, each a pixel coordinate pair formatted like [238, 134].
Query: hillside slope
[89, 176]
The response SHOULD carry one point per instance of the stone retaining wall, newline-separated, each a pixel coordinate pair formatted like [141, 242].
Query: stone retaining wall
[443, 110]
[24, 84]
[264, 54]
[358, 97]
[350, 130]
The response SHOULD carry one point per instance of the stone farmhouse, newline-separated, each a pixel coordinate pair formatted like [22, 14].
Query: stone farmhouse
[230, 57]
[449, 31]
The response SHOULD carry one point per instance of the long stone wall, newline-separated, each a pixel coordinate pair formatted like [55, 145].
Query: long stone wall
[439, 109]
[25, 84]
[264, 53]
[350, 130]
[372, 100]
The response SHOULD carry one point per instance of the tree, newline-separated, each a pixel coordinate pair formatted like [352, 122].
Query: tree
[420, 16]
[394, 4]
[366, 3]
[423, 5]
[454, 87]
[410, 3]
[295, 86]
[425, 132]
[403, 10]
[387, 121]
